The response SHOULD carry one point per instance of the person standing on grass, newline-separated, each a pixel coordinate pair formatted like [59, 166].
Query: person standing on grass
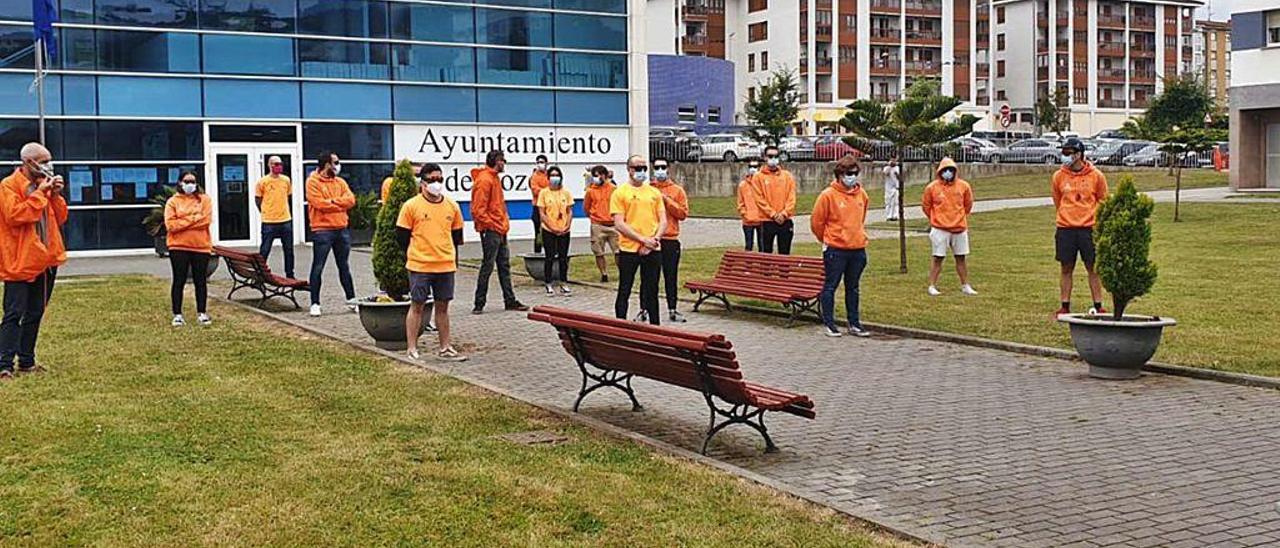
[640, 217]
[539, 180]
[555, 212]
[892, 186]
[604, 237]
[839, 222]
[328, 200]
[32, 214]
[428, 229]
[1078, 189]
[489, 214]
[676, 202]
[272, 194]
[775, 192]
[947, 202]
[747, 208]
[187, 217]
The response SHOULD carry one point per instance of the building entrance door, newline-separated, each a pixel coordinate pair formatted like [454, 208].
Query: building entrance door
[233, 174]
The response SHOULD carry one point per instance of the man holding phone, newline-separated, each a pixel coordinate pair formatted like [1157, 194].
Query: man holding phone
[32, 213]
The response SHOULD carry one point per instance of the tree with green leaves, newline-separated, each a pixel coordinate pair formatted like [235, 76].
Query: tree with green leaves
[774, 107]
[1123, 238]
[1184, 102]
[1053, 113]
[388, 258]
[916, 120]
[1179, 143]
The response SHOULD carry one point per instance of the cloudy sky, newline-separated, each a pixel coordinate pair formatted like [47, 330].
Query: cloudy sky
[1221, 10]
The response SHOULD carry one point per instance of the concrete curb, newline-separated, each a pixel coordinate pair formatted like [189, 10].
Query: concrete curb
[889, 527]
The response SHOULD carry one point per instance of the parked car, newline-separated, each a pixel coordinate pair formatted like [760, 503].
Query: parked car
[1149, 155]
[729, 147]
[1036, 151]
[1002, 137]
[833, 147]
[974, 149]
[1114, 152]
[797, 148]
[1110, 134]
[675, 144]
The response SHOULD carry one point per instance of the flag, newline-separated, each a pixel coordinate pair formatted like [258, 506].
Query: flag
[44, 15]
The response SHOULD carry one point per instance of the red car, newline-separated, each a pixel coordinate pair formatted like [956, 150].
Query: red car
[833, 147]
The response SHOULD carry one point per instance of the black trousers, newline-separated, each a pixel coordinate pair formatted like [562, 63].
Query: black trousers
[650, 267]
[671, 271]
[539, 236]
[557, 253]
[753, 236]
[197, 264]
[783, 233]
[496, 255]
[24, 304]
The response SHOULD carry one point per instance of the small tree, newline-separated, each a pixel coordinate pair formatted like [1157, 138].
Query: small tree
[1179, 143]
[916, 120]
[388, 259]
[774, 107]
[1053, 113]
[1123, 238]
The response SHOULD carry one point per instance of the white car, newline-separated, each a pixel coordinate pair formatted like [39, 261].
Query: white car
[729, 147]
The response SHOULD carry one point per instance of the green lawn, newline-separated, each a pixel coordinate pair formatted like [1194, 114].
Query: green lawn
[991, 188]
[1216, 278]
[248, 433]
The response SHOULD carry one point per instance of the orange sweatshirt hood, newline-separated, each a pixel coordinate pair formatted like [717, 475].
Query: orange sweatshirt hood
[944, 164]
[30, 229]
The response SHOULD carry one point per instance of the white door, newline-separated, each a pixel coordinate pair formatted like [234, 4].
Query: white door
[1273, 156]
[232, 174]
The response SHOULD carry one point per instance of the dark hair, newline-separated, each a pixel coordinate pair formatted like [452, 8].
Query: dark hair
[661, 159]
[773, 148]
[491, 159]
[556, 170]
[428, 168]
[324, 159]
[183, 175]
[847, 164]
[599, 170]
[540, 158]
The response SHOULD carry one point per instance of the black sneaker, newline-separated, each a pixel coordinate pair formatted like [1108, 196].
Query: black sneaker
[858, 331]
[34, 369]
[676, 317]
[516, 306]
[642, 317]
[604, 278]
[831, 331]
[477, 310]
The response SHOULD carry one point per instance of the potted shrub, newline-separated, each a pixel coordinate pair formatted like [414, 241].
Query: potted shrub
[364, 217]
[383, 315]
[533, 264]
[1116, 346]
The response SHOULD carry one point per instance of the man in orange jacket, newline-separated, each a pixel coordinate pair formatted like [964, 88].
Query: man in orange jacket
[328, 200]
[947, 202]
[775, 192]
[538, 181]
[1078, 189]
[489, 214]
[839, 222]
[748, 210]
[676, 201]
[32, 213]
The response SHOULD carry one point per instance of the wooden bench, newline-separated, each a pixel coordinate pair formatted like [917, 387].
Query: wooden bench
[250, 270]
[792, 281]
[617, 350]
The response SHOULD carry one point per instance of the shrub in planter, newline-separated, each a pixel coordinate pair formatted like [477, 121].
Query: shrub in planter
[154, 221]
[363, 218]
[383, 315]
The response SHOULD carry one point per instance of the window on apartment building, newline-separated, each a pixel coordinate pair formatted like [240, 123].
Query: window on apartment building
[1170, 41]
[1000, 15]
[713, 115]
[757, 5]
[751, 94]
[764, 60]
[751, 62]
[1081, 96]
[849, 21]
[758, 31]
[823, 17]
[1273, 27]
[1081, 37]
[1001, 95]
[687, 114]
[1000, 42]
[847, 54]
[1081, 66]
[1000, 68]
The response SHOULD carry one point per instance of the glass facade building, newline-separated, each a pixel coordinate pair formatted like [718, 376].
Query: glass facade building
[143, 89]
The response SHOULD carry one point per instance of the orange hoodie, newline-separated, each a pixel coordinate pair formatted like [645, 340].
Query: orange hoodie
[748, 210]
[775, 192]
[328, 199]
[1077, 194]
[947, 205]
[488, 205]
[186, 219]
[839, 217]
[596, 203]
[24, 254]
[677, 203]
[538, 182]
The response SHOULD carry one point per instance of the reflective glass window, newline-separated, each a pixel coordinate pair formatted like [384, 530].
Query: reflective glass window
[433, 63]
[106, 229]
[249, 15]
[76, 11]
[148, 13]
[591, 70]
[251, 99]
[78, 49]
[597, 6]
[14, 134]
[516, 105]
[233, 54]
[432, 23]
[15, 99]
[17, 50]
[591, 107]
[435, 104]
[343, 59]
[591, 32]
[130, 96]
[79, 95]
[513, 28]
[150, 140]
[362, 178]
[19, 10]
[334, 101]
[79, 140]
[350, 141]
[514, 66]
[364, 19]
[148, 51]
[522, 3]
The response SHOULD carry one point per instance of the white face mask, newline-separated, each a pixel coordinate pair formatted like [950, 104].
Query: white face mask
[188, 188]
[1068, 159]
[753, 170]
[850, 180]
[595, 180]
[556, 181]
[948, 175]
[641, 176]
[541, 166]
[337, 168]
[660, 174]
[774, 162]
[435, 188]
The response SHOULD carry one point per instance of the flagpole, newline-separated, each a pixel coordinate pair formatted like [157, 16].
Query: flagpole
[40, 84]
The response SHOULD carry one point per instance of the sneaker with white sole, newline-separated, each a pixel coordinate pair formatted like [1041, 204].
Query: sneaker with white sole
[450, 355]
[315, 311]
[551, 291]
[204, 319]
[676, 317]
[933, 291]
[178, 321]
[831, 331]
[857, 331]
[642, 317]
[564, 290]
[413, 354]
[968, 290]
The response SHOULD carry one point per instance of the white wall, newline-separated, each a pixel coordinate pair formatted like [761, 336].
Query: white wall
[1251, 67]
[662, 26]
[1019, 55]
[638, 77]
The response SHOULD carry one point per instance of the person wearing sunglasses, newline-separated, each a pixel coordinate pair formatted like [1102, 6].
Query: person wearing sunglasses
[676, 202]
[187, 217]
[428, 229]
[775, 193]
[595, 202]
[640, 218]
[839, 222]
[328, 200]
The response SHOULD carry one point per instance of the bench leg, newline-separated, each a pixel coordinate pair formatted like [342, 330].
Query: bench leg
[738, 414]
[606, 378]
[800, 307]
[704, 296]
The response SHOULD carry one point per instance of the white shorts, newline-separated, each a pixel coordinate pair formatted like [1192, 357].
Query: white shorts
[942, 240]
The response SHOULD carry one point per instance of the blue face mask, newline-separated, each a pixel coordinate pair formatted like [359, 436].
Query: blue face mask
[641, 176]
[1068, 159]
[850, 180]
[660, 174]
[555, 181]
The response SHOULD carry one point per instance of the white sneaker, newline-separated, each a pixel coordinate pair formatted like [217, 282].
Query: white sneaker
[968, 290]
[204, 319]
[564, 290]
[831, 331]
[933, 291]
[550, 290]
[315, 311]
[413, 354]
[178, 321]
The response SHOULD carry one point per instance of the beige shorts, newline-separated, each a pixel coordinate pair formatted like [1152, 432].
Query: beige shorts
[602, 236]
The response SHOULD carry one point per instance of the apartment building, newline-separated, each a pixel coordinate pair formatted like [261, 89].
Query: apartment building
[1109, 55]
[1211, 56]
[687, 27]
[1255, 95]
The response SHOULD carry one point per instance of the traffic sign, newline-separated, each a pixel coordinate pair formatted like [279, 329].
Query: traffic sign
[1005, 121]
[1004, 110]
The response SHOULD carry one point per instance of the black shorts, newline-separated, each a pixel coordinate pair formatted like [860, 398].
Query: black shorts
[427, 287]
[1073, 242]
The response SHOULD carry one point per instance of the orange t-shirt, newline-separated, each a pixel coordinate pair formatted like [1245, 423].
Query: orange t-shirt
[839, 217]
[24, 255]
[775, 192]
[557, 209]
[596, 203]
[1077, 194]
[187, 218]
[328, 199]
[386, 188]
[488, 205]
[538, 181]
[275, 190]
[677, 203]
[431, 249]
[948, 205]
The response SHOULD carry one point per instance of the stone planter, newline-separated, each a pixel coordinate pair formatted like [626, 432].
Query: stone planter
[162, 244]
[1116, 349]
[534, 265]
[385, 322]
[361, 236]
[213, 268]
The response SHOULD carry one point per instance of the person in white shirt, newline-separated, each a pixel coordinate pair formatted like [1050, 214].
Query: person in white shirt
[892, 186]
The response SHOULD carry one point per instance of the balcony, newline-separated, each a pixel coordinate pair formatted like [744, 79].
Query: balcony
[696, 40]
[1111, 21]
[1042, 73]
[1139, 102]
[984, 70]
[918, 7]
[884, 97]
[1144, 76]
[1111, 75]
[1042, 45]
[983, 99]
[924, 37]
[1111, 49]
[1111, 103]
[1142, 49]
[1144, 22]
[1062, 19]
[1063, 73]
[886, 67]
[825, 97]
[823, 31]
[923, 67]
[700, 9]
[1064, 45]
[891, 7]
[885, 36]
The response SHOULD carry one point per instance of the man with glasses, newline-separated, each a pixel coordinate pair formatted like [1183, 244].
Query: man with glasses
[775, 194]
[428, 229]
[640, 217]
[839, 222]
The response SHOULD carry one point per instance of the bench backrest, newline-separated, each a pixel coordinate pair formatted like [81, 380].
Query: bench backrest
[790, 271]
[658, 353]
[247, 265]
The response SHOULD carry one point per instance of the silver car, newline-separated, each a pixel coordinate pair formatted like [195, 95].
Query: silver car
[729, 147]
[796, 148]
[1035, 151]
